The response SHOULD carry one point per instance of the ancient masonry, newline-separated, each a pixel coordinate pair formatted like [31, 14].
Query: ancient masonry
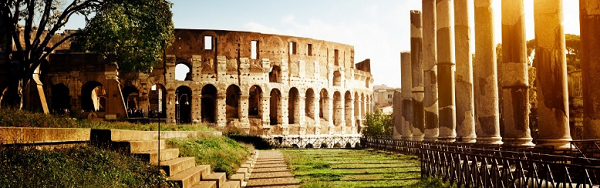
[470, 104]
[297, 90]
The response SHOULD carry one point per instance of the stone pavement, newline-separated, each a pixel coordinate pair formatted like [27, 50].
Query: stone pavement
[271, 171]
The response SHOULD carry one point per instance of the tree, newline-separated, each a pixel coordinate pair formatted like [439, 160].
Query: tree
[378, 125]
[30, 24]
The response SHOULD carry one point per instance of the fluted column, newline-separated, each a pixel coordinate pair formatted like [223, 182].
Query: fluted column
[430, 99]
[487, 122]
[589, 11]
[416, 41]
[445, 67]
[515, 81]
[551, 79]
[407, 107]
[465, 109]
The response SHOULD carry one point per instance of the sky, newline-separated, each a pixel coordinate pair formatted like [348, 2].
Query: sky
[378, 29]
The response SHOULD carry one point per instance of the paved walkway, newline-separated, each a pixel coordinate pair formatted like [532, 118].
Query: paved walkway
[271, 171]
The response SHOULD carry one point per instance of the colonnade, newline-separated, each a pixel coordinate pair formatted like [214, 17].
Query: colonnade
[458, 82]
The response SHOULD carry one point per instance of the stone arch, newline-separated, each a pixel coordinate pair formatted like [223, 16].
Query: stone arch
[324, 104]
[275, 74]
[337, 145]
[295, 146]
[232, 101]
[338, 108]
[183, 71]
[309, 145]
[275, 106]
[131, 96]
[61, 99]
[348, 108]
[255, 102]
[348, 145]
[209, 104]
[356, 104]
[183, 104]
[293, 106]
[323, 145]
[309, 103]
[158, 99]
[93, 97]
[337, 78]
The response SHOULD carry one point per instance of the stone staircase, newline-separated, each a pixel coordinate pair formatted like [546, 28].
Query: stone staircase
[182, 171]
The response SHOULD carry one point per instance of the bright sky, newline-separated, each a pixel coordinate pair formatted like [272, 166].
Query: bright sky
[378, 30]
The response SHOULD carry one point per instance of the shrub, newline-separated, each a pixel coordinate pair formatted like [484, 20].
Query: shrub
[378, 125]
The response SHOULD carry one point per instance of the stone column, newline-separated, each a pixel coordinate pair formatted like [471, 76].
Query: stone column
[416, 40]
[589, 11]
[465, 109]
[430, 100]
[551, 78]
[221, 109]
[266, 117]
[284, 113]
[487, 122]
[316, 114]
[445, 66]
[243, 113]
[407, 107]
[398, 120]
[302, 113]
[515, 81]
[329, 113]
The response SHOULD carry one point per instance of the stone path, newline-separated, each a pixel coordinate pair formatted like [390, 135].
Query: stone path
[271, 171]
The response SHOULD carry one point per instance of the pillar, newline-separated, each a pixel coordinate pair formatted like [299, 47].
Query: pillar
[317, 125]
[407, 107]
[243, 113]
[589, 11]
[487, 122]
[430, 100]
[465, 109]
[302, 113]
[416, 41]
[284, 113]
[329, 113]
[551, 78]
[398, 122]
[266, 118]
[221, 109]
[445, 68]
[515, 81]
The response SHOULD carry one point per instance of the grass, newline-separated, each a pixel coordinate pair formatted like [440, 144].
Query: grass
[355, 168]
[82, 166]
[23, 118]
[223, 154]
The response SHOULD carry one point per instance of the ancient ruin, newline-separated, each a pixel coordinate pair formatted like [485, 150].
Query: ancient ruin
[297, 90]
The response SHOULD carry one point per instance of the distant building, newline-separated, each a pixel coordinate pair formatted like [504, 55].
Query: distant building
[383, 97]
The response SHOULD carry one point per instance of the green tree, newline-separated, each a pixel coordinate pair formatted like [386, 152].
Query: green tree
[29, 25]
[378, 125]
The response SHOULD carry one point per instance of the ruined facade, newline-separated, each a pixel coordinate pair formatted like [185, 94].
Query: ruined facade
[263, 84]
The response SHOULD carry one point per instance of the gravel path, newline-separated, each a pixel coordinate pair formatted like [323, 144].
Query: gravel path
[271, 171]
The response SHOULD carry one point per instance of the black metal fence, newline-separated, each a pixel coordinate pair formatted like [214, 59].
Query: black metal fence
[470, 165]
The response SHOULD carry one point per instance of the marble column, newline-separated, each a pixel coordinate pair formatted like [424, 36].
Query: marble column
[430, 100]
[407, 107]
[445, 67]
[485, 76]
[465, 109]
[416, 41]
[589, 11]
[551, 78]
[515, 81]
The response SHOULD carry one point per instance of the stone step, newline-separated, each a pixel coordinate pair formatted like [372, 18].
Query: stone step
[152, 156]
[137, 146]
[177, 165]
[238, 177]
[219, 177]
[205, 184]
[190, 176]
[232, 184]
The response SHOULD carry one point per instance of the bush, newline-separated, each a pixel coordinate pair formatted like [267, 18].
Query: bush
[257, 141]
[378, 125]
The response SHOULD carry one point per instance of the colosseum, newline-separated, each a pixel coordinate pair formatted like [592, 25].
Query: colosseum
[297, 91]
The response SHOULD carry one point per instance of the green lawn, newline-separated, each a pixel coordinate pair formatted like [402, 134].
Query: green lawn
[355, 168]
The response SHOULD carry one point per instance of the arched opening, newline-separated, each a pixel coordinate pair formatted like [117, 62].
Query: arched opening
[348, 145]
[275, 74]
[337, 145]
[131, 97]
[295, 146]
[308, 146]
[337, 78]
[323, 145]
[93, 97]
[309, 104]
[232, 102]
[183, 72]
[183, 104]
[209, 104]
[157, 97]
[274, 106]
[324, 105]
[254, 102]
[61, 99]
[293, 103]
[338, 108]
[348, 108]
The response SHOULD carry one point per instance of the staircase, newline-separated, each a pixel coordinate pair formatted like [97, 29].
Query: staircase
[182, 171]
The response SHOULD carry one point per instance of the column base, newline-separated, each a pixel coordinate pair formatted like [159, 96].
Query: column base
[557, 144]
[431, 134]
[518, 142]
[407, 138]
[489, 140]
[470, 139]
[447, 139]
[417, 138]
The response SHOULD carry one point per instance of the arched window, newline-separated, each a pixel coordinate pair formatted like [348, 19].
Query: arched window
[274, 106]
[293, 103]
[255, 101]
[93, 97]
[232, 101]
[183, 72]
[275, 74]
[209, 104]
[183, 104]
